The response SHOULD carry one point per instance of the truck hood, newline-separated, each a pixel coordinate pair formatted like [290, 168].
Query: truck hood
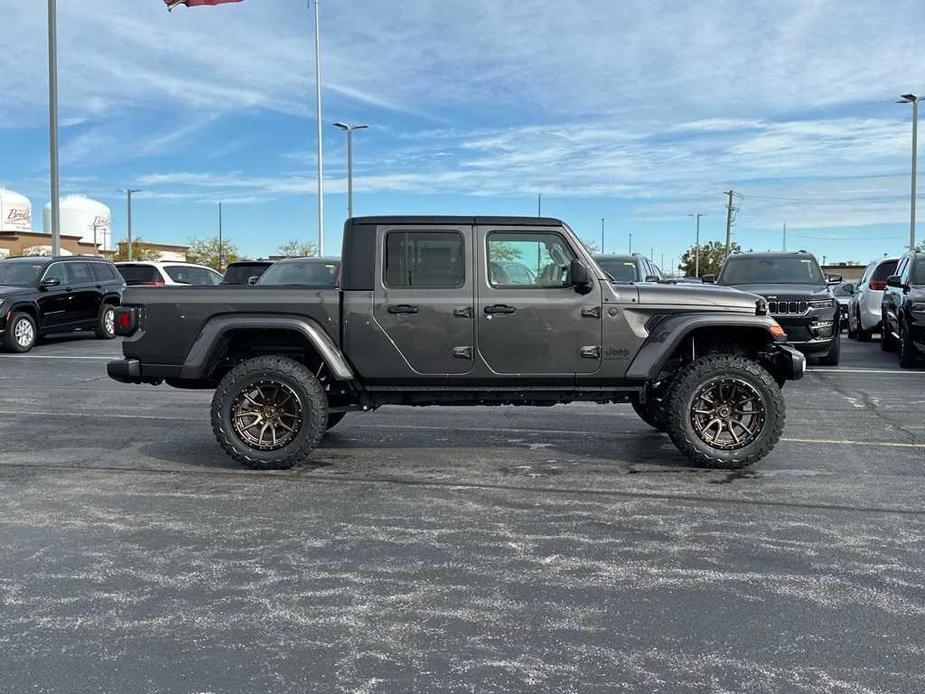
[7, 290]
[708, 296]
[786, 291]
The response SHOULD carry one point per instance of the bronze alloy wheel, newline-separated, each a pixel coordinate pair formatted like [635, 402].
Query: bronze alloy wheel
[727, 413]
[266, 415]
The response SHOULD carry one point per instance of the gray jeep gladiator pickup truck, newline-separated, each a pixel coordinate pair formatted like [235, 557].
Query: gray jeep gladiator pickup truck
[463, 311]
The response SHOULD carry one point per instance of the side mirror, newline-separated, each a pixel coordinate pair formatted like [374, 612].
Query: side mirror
[50, 282]
[834, 279]
[579, 276]
[651, 278]
[848, 288]
[708, 279]
[894, 281]
[252, 280]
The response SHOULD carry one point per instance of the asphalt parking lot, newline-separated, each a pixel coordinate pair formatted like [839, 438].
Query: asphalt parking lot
[457, 550]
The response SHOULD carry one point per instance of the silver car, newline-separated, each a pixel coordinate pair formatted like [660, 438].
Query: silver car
[864, 313]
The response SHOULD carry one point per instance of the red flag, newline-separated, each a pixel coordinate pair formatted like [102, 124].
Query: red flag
[193, 3]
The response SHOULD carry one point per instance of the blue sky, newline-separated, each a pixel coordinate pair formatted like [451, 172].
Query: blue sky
[639, 111]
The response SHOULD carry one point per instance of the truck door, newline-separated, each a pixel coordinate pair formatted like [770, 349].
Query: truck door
[531, 320]
[424, 296]
[53, 301]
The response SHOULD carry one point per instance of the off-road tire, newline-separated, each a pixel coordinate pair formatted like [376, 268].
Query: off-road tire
[335, 418]
[10, 342]
[312, 399]
[905, 349]
[106, 327]
[709, 368]
[832, 357]
[887, 341]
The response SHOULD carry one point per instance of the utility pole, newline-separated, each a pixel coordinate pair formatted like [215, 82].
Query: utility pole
[539, 204]
[784, 248]
[698, 215]
[631, 243]
[602, 235]
[318, 119]
[220, 246]
[662, 264]
[914, 100]
[730, 193]
[128, 201]
[53, 126]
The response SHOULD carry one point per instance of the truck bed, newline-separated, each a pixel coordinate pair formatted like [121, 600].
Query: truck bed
[178, 314]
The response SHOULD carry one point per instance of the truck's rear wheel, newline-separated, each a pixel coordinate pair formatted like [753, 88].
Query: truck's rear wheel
[725, 412]
[269, 413]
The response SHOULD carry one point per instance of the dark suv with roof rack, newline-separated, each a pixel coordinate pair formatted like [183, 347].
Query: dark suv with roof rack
[798, 296]
[42, 295]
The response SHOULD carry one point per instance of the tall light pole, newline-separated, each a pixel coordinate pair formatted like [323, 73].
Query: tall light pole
[539, 204]
[318, 119]
[53, 126]
[914, 100]
[631, 243]
[220, 246]
[128, 203]
[602, 235]
[346, 127]
[698, 215]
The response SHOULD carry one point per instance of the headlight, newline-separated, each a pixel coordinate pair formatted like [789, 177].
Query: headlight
[916, 308]
[822, 303]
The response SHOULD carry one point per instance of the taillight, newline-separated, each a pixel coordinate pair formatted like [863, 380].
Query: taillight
[126, 320]
[878, 285]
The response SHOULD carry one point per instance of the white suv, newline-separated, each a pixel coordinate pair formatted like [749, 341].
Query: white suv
[166, 273]
[864, 312]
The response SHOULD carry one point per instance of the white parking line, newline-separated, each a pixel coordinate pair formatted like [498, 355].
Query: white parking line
[904, 372]
[54, 356]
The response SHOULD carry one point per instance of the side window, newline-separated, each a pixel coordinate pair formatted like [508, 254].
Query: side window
[103, 272]
[56, 271]
[426, 259]
[902, 269]
[528, 259]
[79, 273]
[868, 271]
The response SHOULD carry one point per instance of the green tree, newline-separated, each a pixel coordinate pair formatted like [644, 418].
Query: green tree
[205, 252]
[501, 252]
[712, 255]
[298, 249]
[139, 251]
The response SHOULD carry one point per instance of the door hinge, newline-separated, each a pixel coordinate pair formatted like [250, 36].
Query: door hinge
[591, 352]
[591, 312]
[462, 312]
[462, 352]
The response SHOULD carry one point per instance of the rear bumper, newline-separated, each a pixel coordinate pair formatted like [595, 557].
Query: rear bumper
[125, 370]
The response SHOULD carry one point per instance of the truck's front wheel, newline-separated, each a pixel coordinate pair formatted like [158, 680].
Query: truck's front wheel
[725, 411]
[269, 413]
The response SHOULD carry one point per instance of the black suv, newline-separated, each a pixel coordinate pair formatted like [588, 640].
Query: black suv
[903, 310]
[798, 296]
[40, 295]
[631, 267]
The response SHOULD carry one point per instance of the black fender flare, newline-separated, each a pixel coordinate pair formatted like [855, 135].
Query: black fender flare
[212, 332]
[669, 331]
[33, 309]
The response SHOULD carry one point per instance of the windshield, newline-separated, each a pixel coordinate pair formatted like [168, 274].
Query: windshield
[306, 273]
[619, 269]
[771, 270]
[240, 274]
[19, 273]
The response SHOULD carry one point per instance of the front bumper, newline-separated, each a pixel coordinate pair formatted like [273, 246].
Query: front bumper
[813, 333]
[790, 363]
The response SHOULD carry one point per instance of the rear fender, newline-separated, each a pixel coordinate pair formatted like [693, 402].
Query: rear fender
[212, 333]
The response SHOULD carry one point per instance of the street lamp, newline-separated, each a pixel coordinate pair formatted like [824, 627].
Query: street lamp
[631, 243]
[129, 192]
[53, 126]
[347, 128]
[602, 235]
[698, 215]
[914, 100]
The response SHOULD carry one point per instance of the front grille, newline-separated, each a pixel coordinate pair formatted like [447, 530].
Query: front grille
[788, 308]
